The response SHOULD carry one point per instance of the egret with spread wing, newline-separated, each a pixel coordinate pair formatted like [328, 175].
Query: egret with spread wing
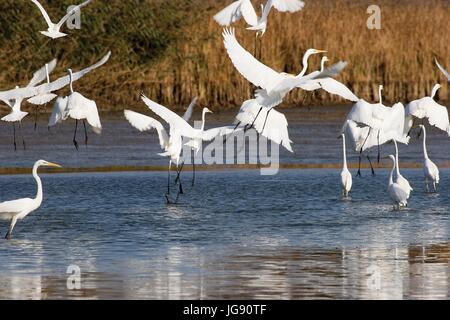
[53, 30]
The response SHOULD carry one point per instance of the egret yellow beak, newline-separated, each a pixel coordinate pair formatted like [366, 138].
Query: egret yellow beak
[50, 164]
[321, 51]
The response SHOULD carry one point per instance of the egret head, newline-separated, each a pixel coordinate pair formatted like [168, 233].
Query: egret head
[43, 163]
[325, 59]
[310, 52]
[69, 71]
[206, 110]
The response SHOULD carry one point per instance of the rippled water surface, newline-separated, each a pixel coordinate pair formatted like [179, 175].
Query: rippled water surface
[235, 235]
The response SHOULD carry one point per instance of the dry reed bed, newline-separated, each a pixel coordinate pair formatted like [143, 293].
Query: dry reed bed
[172, 53]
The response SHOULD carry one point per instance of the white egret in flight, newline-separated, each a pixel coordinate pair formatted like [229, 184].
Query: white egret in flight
[328, 84]
[430, 169]
[18, 209]
[79, 108]
[53, 30]
[382, 124]
[43, 98]
[16, 115]
[172, 143]
[276, 127]
[427, 108]
[397, 192]
[346, 177]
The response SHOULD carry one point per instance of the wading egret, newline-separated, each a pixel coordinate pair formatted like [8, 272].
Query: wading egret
[53, 30]
[19, 209]
[78, 108]
[346, 177]
[402, 181]
[397, 192]
[430, 170]
[427, 108]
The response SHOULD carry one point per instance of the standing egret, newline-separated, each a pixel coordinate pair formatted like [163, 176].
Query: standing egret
[402, 181]
[430, 170]
[53, 30]
[79, 108]
[19, 209]
[397, 192]
[346, 177]
[427, 108]
[172, 143]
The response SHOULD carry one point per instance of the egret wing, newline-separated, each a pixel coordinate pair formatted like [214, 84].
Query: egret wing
[144, 123]
[42, 99]
[10, 208]
[248, 12]
[335, 87]
[41, 74]
[188, 114]
[247, 65]
[59, 112]
[288, 5]
[230, 14]
[43, 12]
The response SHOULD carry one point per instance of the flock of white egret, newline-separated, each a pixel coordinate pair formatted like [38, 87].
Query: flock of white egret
[367, 125]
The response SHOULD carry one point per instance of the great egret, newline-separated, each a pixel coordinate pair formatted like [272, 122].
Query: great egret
[275, 85]
[430, 170]
[402, 181]
[328, 84]
[397, 192]
[79, 108]
[445, 72]
[58, 84]
[18, 209]
[53, 30]
[346, 177]
[16, 115]
[383, 125]
[427, 108]
[244, 8]
[172, 143]
[276, 128]
[43, 98]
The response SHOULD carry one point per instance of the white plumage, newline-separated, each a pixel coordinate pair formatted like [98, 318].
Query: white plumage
[18, 209]
[402, 181]
[346, 177]
[397, 192]
[276, 126]
[53, 30]
[427, 108]
[430, 169]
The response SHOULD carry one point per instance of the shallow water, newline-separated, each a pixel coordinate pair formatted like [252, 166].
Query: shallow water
[235, 235]
[314, 133]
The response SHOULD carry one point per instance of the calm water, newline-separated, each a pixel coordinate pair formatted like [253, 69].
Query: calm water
[235, 235]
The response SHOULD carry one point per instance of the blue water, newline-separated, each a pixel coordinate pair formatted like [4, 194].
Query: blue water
[237, 234]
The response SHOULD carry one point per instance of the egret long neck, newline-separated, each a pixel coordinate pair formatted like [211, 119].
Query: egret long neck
[391, 176]
[344, 151]
[71, 81]
[425, 153]
[322, 64]
[435, 90]
[305, 65]
[379, 94]
[46, 73]
[396, 158]
[39, 194]
[203, 120]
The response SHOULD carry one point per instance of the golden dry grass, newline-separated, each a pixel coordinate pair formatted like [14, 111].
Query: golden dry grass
[172, 50]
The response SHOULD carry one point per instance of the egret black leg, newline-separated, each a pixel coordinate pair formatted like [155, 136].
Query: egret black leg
[371, 167]
[35, 117]
[265, 121]
[21, 133]
[85, 134]
[75, 143]
[193, 171]
[231, 134]
[14, 129]
[358, 174]
[379, 150]
[254, 120]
